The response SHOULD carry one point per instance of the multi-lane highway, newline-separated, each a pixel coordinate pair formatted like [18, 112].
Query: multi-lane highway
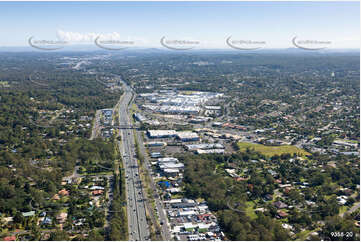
[137, 223]
[166, 234]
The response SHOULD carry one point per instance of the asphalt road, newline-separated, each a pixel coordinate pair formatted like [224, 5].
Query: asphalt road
[159, 205]
[137, 223]
[351, 210]
[354, 208]
[96, 126]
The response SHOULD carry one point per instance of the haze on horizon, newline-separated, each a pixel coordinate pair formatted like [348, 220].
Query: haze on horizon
[210, 23]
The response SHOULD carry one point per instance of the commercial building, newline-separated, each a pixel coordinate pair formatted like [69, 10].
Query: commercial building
[107, 112]
[213, 107]
[28, 214]
[155, 144]
[171, 172]
[139, 117]
[174, 102]
[155, 154]
[171, 165]
[167, 160]
[203, 146]
[187, 136]
[217, 124]
[210, 151]
[345, 143]
[174, 190]
[186, 213]
[161, 133]
[199, 120]
[179, 109]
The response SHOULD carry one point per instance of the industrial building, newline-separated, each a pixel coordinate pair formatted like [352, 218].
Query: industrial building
[171, 172]
[155, 144]
[171, 165]
[212, 107]
[161, 133]
[139, 117]
[173, 102]
[187, 136]
[194, 147]
[107, 112]
[167, 160]
[199, 120]
[217, 124]
[211, 151]
[155, 154]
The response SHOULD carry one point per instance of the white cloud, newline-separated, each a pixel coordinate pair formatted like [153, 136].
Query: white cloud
[76, 37]
[85, 37]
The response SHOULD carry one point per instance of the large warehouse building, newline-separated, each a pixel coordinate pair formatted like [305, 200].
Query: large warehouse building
[161, 133]
[187, 136]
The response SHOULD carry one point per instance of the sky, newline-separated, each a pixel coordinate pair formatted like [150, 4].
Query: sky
[209, 23]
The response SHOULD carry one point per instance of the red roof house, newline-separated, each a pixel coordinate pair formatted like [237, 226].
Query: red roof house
[97, 192]
[63, 192]
[10, 238]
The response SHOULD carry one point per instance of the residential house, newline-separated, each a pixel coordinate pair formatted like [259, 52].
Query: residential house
[62, 217]
[10, 238]
[63, 192]
[280, 205]
[281, 214]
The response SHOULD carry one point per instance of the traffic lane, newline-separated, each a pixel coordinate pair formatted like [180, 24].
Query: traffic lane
[142, 211]
[130, 220]
[163, 219]
[161, 211]
[140, 206]
[140, 202]
[135, 227]
[137, 208]
[135, 230]
[131, 205]
[134, 222]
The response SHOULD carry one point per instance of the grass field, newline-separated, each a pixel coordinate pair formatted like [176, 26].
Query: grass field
[272, 150]
[304, 234]
[250, 211]
[188, 92]
[343, 209]
[349, 141]
[134, 109]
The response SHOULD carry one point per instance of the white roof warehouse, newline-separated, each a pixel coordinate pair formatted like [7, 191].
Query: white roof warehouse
[161, 133]
[187, 136]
